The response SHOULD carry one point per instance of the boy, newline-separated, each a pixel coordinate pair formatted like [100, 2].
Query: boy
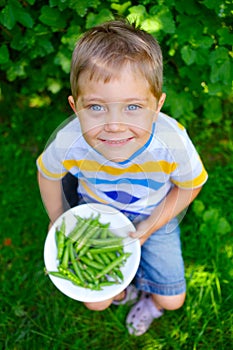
[127, 154]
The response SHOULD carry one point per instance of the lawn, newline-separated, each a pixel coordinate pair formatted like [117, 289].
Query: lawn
[35, 315]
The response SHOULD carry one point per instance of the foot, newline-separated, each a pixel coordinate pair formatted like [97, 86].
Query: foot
[142, 315]
[129, 297]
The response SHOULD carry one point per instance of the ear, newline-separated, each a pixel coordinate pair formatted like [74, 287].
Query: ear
[161, 102]
[72, 104]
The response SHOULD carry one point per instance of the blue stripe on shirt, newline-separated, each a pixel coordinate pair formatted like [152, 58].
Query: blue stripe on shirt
[149, 183]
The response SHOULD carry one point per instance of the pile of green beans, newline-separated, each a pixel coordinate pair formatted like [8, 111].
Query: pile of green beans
[89, 256]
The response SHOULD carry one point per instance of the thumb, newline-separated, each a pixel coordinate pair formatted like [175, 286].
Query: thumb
[136, 234]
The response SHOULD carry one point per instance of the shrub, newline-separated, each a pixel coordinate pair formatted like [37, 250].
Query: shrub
[37, 39]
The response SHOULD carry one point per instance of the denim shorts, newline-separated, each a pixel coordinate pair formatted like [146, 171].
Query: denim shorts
[161, 269]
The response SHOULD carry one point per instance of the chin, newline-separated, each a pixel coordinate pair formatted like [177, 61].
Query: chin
[117, 156]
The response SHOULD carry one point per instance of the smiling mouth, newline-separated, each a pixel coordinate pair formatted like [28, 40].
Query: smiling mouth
[116, 142]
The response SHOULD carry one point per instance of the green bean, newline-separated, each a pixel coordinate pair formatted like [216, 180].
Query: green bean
[70, 275]
[104, 233]
[78, 232]
[74, 263]
[89, 255]
[106, 249]
[65, 258]
[87, 276]
[111, 255]
[107, 241]
[60, 239]
[87, 237]
[104, 258]
[113, 264]
[118, 273]
[91, 273]
[98, 258]
[58, 274]
[107, 284]
[92, 263]
[77, 227]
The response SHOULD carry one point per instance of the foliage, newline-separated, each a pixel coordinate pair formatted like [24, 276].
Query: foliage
[37, 39]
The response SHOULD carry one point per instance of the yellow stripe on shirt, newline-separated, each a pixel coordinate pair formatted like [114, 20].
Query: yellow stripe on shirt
[147, 167]
[92, 194]
[47, 172]
[197, 181]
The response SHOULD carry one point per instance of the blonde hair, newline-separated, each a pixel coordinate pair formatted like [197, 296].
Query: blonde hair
[105, 49]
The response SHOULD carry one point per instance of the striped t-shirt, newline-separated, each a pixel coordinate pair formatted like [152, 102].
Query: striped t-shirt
[135, 185]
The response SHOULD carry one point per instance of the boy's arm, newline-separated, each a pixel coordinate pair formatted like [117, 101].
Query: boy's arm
[175, 202]
[51, 193]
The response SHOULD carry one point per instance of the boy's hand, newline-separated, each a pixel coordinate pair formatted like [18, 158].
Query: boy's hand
[176, 201]
[142, 232]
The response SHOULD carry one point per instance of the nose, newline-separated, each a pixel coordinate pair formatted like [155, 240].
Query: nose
[114, 121]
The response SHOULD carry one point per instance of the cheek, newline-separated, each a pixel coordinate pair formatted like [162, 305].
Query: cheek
[88, 126]
[90, 133]
[143, 127]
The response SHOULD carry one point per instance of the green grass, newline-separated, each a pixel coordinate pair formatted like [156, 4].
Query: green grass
[34, 315]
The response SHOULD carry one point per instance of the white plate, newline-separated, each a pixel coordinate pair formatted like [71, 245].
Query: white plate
[119, 225]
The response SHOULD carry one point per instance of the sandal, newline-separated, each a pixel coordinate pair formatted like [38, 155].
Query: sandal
[131, 296]
[142, 315]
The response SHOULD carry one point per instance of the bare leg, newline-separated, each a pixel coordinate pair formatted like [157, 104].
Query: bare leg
[102, 305]
[173, 302]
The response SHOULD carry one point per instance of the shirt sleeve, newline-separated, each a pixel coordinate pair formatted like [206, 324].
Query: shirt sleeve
[190, 172]
[51, 162]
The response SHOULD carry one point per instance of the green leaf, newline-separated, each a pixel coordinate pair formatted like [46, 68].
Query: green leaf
[198, 207]
[217, 89]
[166, 18]
[190, 7]
[188, 55]
[211, 215]
[220, 66]
[223, 226]
[213, 4]
[160, 19]
[4, 54]
[213, 110]
[121, 8]
[63, 60]
[54, 85]
[71, 36]
[15, 12]
[180, 104]
[137, 14]
[81, 7]
[16, 70]
[23, 17]
[204, 42]
[225, 37]
[31, 2]
[52, 17]
[7, 17]
[152, 25]
[61, 4]
[93, 19]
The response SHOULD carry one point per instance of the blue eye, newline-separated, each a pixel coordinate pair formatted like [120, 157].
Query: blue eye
[133, 107]
[96, 108]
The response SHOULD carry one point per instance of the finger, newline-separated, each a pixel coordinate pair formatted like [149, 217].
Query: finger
[136, 234]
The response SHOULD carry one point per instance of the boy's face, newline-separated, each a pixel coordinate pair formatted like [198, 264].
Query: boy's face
[116, 117]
